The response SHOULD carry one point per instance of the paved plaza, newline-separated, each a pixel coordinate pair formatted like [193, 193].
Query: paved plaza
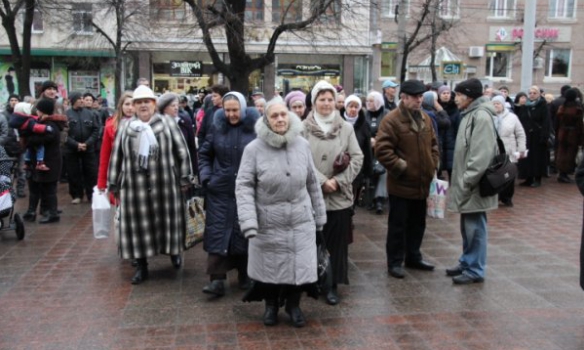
[62, 289]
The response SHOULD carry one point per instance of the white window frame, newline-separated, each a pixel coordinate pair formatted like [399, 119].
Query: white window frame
[508, 8]
[491, 57]
[549, 65]
[78, 9]
[565, 15]
[451, 7]
[390, 5]
[261, 9]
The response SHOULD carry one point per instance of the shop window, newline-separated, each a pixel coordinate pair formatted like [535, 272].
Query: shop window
[331, 15]
[167, 10]
[254, 10]
[502, 8]
[562, 9]
[291, 10]
[449, 8]
[82, 18]
[390, 8]
[388, 63]
[498, 64]
[558, 63]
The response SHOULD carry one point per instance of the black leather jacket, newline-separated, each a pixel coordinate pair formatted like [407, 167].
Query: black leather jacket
[83, 128]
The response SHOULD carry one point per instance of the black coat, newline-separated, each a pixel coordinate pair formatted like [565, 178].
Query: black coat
[53, 159]
[536, 123]
[83, 128]
[363, 134]
[219, 160]
[580, 183]
[186, 127]
[449, 137]
[374, 119]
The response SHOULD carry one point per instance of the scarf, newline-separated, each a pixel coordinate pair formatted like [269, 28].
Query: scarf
[148, 146]
[325, 122]
[351, 119]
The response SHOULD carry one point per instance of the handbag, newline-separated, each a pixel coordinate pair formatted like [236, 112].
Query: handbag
[436, 201]
[499, 174]
[323, 264]
[195, 220]
[101, 209]
[378, 169]
[341, 162]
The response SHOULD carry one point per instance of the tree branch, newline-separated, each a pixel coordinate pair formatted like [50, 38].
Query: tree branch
[104, 34]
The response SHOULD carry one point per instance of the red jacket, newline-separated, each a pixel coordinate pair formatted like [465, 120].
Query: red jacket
[109, 136]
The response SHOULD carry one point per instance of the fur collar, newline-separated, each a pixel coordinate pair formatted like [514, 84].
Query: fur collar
[275, 140]
[313, 128]
[247, 121]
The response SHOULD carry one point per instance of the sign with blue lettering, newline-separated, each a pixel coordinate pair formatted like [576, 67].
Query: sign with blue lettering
[452, 68]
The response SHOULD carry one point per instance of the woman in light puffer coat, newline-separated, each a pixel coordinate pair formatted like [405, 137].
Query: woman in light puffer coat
[280, 206]
[513, 136]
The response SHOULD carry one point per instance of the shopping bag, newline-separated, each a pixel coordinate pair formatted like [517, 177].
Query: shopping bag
[101, 207]
[195, 221]
[436, 201]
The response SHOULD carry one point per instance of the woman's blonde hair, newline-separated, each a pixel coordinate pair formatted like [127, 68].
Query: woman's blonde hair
[119, 111]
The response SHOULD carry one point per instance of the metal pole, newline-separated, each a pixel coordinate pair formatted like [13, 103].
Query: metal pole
[527, 44]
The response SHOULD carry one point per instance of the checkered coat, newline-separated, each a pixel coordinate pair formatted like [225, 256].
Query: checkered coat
[152, 216]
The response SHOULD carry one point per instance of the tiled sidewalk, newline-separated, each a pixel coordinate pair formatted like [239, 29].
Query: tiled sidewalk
[62, 289]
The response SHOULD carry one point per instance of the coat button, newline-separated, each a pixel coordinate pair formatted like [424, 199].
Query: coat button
[287, 174]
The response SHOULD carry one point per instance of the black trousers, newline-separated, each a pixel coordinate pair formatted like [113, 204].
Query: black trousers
[405, 231]
[82, 173]
[45, 192]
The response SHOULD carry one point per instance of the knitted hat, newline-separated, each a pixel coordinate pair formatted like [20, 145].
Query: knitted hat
[322, 86]
[571, 95]
[377, 100]
[23, 108]
[46, 106]
[413, 87]
[48, 84]
[499, 99]
[428, 99]
[165, 100]
[472, 88]
[443, 88]
[74, 96]
[295, 96]
[353, 98]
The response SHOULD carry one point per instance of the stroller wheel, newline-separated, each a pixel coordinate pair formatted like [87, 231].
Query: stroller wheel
[19, 226]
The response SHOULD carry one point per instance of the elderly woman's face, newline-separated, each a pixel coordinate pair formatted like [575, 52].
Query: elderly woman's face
[498, 106]
[232, 111]
[172, 109]
[298, 108]
[325, 103]
[352, 109]
[144, 108]
[533, 94]
[278, 119]
[370, 104]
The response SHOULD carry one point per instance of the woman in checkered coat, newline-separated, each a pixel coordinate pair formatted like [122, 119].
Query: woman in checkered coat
[148, 167]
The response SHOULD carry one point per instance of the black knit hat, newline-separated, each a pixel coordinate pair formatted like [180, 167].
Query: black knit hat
[472, 88]
[48, 84]
[46, 105]
[74, 96]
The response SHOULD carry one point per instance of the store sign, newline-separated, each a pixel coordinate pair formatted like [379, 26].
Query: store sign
[515, 34]
[309, 69]
[186, 68]
[451, 68]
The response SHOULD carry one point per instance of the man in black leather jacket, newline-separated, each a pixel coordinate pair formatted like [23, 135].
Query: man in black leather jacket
[79, 149]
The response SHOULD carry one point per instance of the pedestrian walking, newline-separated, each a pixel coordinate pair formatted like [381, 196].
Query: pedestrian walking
[569, 131]
[407, 146]
[476, 146]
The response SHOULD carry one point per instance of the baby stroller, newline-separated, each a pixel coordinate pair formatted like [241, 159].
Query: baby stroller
[9, 220]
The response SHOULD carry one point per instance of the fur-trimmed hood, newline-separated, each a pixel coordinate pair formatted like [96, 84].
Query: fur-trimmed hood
[276, 140]
[248, 119]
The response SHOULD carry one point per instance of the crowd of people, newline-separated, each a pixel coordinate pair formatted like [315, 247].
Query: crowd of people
[279, 174]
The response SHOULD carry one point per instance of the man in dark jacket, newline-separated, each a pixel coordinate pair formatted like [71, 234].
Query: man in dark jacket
[80, 149]
[407, 146]
[389, 94]
[217, 93]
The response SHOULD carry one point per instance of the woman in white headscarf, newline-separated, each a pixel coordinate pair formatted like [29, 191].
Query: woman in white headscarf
[149, 166]
[219, 160]
[375, 113]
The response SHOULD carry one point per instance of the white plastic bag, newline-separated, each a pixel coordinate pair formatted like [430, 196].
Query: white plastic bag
[101, 214]
[436, 201]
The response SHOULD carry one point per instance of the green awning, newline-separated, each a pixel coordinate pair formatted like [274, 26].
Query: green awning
[388, 46]
[63, 53]
[500, 47]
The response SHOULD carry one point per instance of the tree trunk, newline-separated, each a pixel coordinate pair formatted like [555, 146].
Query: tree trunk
[404, 69]
[239, 80]
[118, 76]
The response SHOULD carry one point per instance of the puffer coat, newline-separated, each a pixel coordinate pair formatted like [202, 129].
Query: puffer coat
[280, 206]
[476, 146]
[219, 160]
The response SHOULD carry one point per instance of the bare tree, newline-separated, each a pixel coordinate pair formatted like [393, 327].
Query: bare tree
[9, 12]
[230, 16]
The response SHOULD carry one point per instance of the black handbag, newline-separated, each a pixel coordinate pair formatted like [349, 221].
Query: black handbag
[324, 269]
[378, 169]
[499, 174]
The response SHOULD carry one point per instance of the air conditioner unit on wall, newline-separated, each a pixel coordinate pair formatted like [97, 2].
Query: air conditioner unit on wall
[476, 51]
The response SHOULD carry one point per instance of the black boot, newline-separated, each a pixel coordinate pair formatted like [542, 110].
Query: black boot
[141, 271]
[243, 280]
[332, 297]
[29, 216]
[216, 287]
[378, 205]
[271, 313]
[293, 309]
[50, 218]
[176, 261]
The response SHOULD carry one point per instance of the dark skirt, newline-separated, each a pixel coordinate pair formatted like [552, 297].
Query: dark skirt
[261, 291]
[336, 234]
[220, 265]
